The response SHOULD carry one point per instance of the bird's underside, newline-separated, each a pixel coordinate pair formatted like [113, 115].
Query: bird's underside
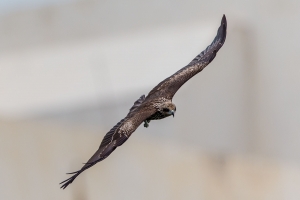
[157, 105]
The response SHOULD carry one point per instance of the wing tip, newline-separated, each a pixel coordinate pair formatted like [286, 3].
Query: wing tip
[224, 21]
[219, 39]
[68, 181]
[222, 32]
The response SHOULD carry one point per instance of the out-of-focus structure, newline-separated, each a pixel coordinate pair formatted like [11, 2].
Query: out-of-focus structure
[69, 72]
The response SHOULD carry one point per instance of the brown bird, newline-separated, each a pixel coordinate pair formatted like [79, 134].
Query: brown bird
[157, 105]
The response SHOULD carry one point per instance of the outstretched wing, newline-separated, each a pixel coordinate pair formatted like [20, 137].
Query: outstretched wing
[168, 87]
[115, 137]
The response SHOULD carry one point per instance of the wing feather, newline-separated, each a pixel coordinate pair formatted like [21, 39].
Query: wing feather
[115, 137]
[168, 87]
[137, 103]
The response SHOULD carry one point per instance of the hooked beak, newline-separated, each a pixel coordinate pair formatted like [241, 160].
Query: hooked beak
[173, 113]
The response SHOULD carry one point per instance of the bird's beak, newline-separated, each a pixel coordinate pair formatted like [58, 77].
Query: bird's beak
[173, 113]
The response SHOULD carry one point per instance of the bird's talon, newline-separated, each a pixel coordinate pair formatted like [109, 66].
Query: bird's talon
[146, 125]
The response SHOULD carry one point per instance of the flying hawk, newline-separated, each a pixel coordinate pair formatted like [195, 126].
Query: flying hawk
[157, 105]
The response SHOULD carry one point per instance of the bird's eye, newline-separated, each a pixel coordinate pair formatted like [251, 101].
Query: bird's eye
[175, 109]
[166, 110]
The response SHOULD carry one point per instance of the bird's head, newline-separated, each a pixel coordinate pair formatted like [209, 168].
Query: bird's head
[168, 108]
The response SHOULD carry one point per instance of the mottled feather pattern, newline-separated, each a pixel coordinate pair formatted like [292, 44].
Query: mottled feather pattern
[107, 138]
[150, 107]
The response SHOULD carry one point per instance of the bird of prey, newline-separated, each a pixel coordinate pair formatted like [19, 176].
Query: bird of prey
[156, 105]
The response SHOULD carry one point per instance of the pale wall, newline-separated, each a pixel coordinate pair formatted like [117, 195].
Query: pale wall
[35, 158]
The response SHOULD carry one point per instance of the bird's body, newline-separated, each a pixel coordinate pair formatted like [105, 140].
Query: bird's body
[156, 105]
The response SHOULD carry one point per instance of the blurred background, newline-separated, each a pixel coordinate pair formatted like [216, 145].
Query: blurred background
[71, 69]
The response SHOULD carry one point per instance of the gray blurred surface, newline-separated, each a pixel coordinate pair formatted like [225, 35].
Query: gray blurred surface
[143, 168]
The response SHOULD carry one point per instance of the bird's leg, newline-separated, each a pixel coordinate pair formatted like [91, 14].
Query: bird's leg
[146, 123]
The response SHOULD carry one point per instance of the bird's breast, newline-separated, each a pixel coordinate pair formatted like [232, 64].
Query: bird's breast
[156, 116]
